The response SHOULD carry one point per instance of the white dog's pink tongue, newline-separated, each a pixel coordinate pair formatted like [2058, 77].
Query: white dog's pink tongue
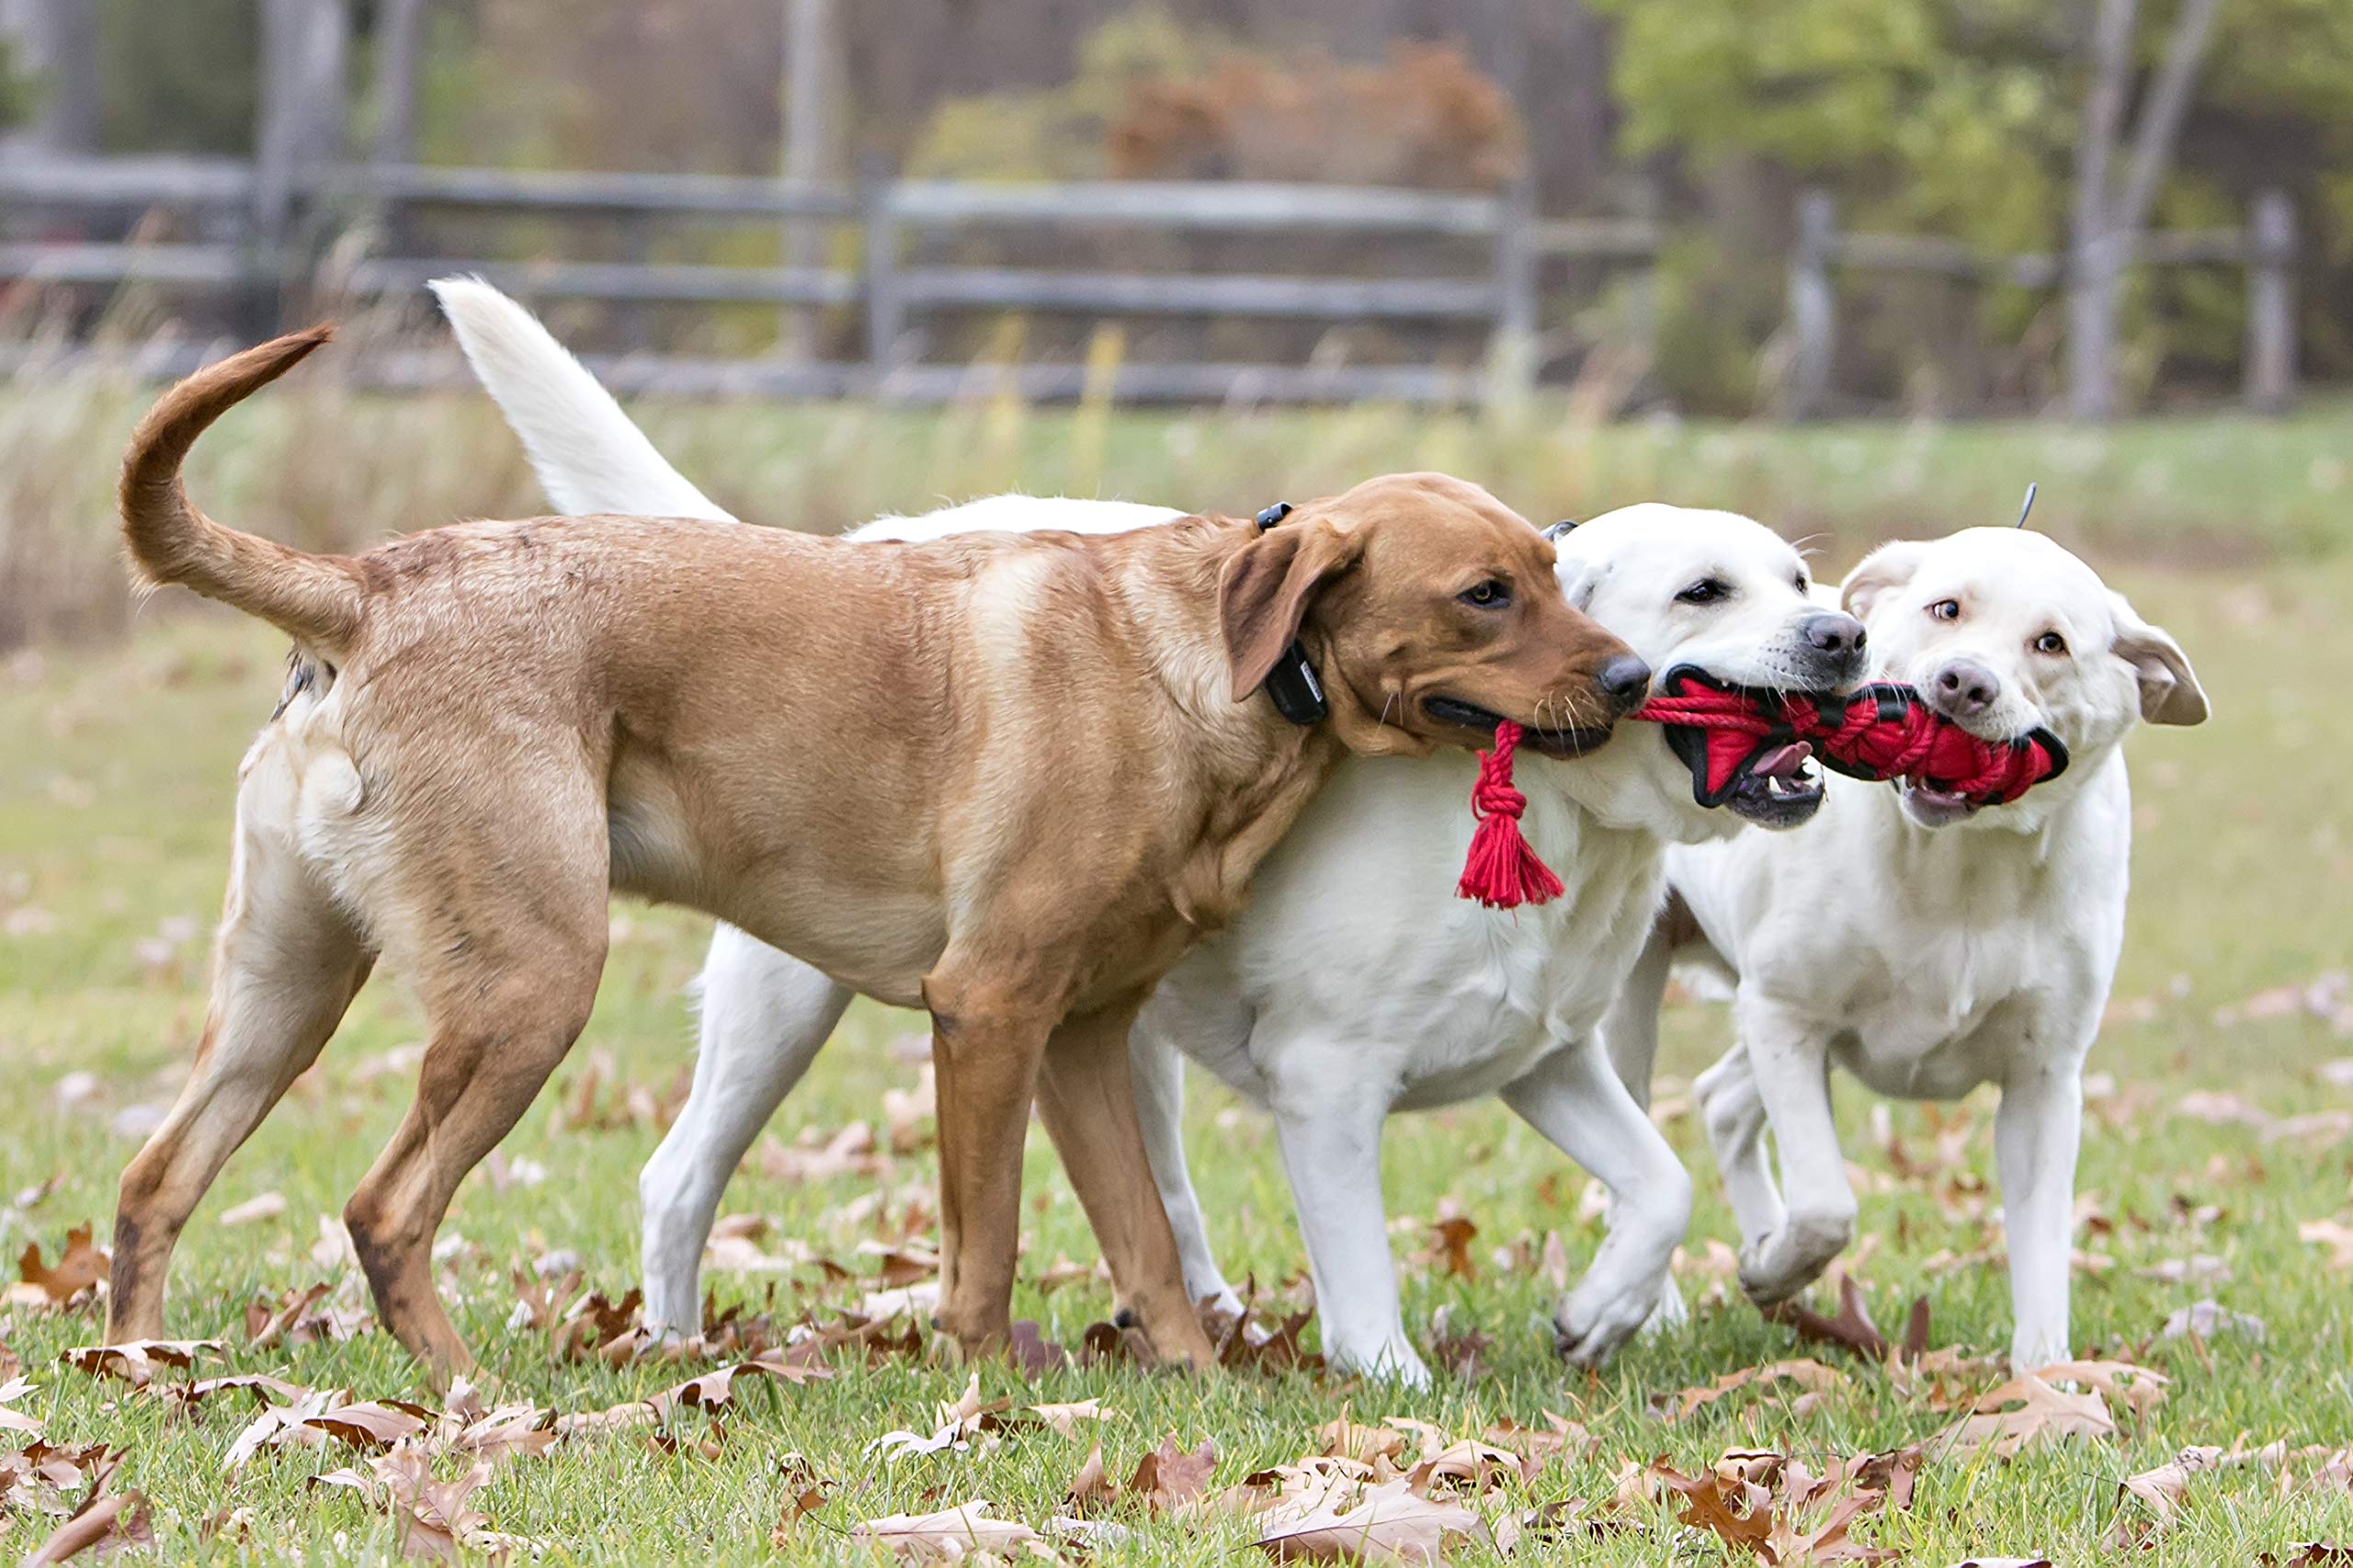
[1782, 762]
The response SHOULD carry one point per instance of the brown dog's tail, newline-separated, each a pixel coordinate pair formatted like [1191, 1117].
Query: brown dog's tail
[315, 599]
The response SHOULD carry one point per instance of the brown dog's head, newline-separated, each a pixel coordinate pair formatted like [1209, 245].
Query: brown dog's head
[1431, 611]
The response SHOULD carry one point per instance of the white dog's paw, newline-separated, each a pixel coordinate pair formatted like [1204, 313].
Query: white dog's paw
[1779, 1266]
[1589, 1327]
[1219, 1302]
[1391, 1361]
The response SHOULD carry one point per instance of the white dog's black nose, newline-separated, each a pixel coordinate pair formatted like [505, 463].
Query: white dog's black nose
[1832, 632]
[1964, 689]
[1626, 681]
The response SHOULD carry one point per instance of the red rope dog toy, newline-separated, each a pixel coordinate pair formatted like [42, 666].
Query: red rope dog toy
[1879, 732]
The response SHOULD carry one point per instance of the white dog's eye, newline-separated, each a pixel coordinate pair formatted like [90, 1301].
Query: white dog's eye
[1706, 591]
[1946, 609]
[2051, 642]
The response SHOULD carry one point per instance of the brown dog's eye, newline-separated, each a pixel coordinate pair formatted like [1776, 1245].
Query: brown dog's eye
[2051, 642]
[1489, 594]
[1946, 609]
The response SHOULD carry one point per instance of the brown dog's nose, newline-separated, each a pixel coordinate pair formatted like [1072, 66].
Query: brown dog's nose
[1626, 681]
[1834, 632]
[1964, 689]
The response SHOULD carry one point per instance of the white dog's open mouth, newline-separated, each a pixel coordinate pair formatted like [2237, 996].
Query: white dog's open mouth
[1781, 789]
[1931, 807]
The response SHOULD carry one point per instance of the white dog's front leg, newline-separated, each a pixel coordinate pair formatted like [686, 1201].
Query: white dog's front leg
[1575, 1097]
[765, 1016]
[1733, 1115]
[2035, 1134]
[1789, 1058]
[1158, 1075]
[1332, 1153]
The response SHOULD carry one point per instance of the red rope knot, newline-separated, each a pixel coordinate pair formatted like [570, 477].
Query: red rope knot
[1501, 871]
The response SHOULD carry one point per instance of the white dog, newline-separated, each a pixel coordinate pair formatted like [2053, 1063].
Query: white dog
[1925, 945]
[1357, 983]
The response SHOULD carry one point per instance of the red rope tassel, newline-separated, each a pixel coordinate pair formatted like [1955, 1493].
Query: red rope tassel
[1502, 872]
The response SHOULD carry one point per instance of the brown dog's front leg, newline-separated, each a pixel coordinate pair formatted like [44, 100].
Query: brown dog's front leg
[1089, 1107]
[984, 1053]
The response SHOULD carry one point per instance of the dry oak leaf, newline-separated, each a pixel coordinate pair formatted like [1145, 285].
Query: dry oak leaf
[1168, 1477]
[260, 1207]
[947, 1536]
[2334, 1235]
[1340, 1523]
[2024, 1411]
[1559, 1435]
[1811, 1376]
[137, 1361]
[1344, 1439]
[714, 1390]
[103, 1525]
[13, 1420]
[1467, 1465]
[1065, 1418]
[81, 1266]
[2138, 1389]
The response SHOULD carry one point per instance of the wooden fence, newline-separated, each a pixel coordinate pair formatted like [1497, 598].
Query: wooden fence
[266, 233]
[274, 248]
[2264, 251]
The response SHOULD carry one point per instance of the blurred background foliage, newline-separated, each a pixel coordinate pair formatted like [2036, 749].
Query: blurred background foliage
[1953, 118]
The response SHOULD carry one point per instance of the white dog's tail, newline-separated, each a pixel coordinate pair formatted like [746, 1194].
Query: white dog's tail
[589, 457]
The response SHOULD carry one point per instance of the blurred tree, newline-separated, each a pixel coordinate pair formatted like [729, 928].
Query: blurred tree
[180, 77]
[1960, 118]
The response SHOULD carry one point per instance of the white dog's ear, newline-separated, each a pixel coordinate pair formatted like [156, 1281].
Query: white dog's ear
[1883, 571]
[1578, 579]
[2169, 690]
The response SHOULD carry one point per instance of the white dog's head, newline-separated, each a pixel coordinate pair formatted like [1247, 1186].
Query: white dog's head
[2003, 632]
[1726, 594]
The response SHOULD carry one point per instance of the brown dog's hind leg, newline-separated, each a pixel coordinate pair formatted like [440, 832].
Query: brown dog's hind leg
[1088, 1104]
[986, 1046]
[286, 967]
[498, 1029]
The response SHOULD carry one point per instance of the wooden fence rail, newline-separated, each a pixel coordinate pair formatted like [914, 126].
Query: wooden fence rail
[2265, 250]
[265, 262]
[263, 235]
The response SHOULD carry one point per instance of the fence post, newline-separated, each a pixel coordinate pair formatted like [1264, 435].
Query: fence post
[884, 312]
[1511, 347]
[2271, 304]
[299, 127]
[1813, 306]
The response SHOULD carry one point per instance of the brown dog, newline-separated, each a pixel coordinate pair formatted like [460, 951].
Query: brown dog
[1008, 779]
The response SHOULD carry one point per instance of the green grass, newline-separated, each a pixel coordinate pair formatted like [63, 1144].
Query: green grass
[114, 792]
[318, 465]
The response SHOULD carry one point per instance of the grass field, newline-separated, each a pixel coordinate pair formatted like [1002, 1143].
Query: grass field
[115, 780]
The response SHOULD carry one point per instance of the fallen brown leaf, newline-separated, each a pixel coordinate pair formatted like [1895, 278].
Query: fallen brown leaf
[714, 1390]
[1169, 1477]
[102, 1524]
[81, 1266]
[2022, 1412]
[1810, 1376]
[947, 1535]
[1343, 1523]
[262, 1206]
[137, 1362]
[2334, 1235]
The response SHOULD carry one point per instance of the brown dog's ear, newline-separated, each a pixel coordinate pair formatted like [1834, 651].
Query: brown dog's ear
[2169, 690]
[1264, 592]
[1882, 572]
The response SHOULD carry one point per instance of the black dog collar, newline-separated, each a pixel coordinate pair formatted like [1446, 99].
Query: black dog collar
[1298, 696]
